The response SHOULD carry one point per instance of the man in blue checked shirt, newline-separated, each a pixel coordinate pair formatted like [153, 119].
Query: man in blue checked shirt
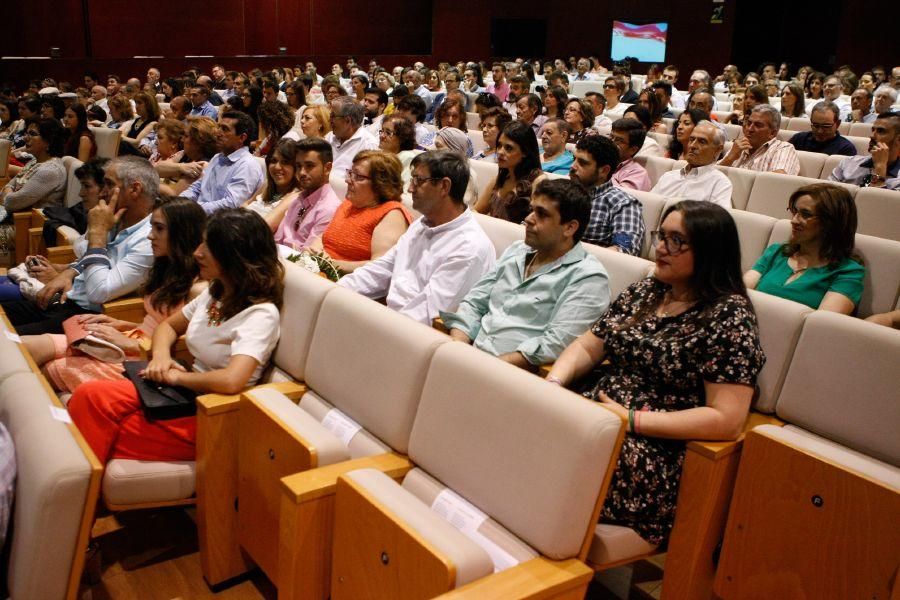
[543, 292]
[115, 254]
[617, 220]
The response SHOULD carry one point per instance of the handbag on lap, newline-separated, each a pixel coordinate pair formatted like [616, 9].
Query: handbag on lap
[160, 401]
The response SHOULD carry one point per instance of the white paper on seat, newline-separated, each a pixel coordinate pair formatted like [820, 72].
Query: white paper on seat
[466, 517]
[60, 414]
[342, 426]
[12, 336]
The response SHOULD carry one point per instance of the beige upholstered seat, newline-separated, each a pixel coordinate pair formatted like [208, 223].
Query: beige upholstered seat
[73, 186]
[754, 232]
[485, 173]
[878, 213]
[741, 185]
[502, 233]
[861, 143]
[771, 192]
[478, 143]
[136, 482]
[811, 163]
[108, 141]
[830, 163]
[473, 120]
[652, 211]
[623, 269]
[615, 543]
[863, 130]
[5, 147]
[655, 166]
[797, 124]
[732, 131]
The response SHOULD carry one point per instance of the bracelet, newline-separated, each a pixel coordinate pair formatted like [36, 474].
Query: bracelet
[637, 422]
[554, 379]
[631, 420]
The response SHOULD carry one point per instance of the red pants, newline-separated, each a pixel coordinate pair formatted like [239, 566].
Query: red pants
[109, 416]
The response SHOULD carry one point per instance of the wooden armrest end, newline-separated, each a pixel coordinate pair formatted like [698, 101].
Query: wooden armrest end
[536, 578]
[214, 404]
[719, 450]
[320, 482]
[438, 323]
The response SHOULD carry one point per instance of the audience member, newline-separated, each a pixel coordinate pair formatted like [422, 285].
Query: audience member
[315, 122]
[135, 132]
[493, 121]
[617, 220]
[275, 121]
[200, 144]
[81, 142]
[90, 176]
[280, 188]
[832, 88]
[310, 213]
[519, 164]
[613, 88]
[881, 168]
[202, 107]
[528, 111]
[443, 253]
[543, 292]
[554, 157]
[347, 136]
[699, 179]
[824, 137]
[650, 146]
[499, 87]
[681, 132]
[792, 101]
[628, 136]
[413, 108]
[759, 148]
[415, 84]
[817, 266]
[861, 107]
[884, 99]
[233, 174]
[555, 99]
[579, 114]
[398, 137]
[232, 329]
[677, 356]
[374, 102]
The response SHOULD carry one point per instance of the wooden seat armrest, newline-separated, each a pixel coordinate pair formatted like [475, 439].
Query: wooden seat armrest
[544, 370]
[320, 482]
[438, 323]
[719, 450]
[22, 223]
[213, 404]
[37, 217]
[536, 578]
[61, 254]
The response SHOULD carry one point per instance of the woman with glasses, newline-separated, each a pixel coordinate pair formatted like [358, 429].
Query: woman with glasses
[677, 356]
[579, 114]
[371, 220]
[398, 137]
[493, 121]
[817, 266]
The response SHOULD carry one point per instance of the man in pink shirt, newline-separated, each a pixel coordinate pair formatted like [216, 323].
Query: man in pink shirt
[500, 87]
[309, 215]
[628, 136]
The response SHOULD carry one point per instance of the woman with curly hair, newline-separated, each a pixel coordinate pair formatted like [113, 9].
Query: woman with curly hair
[275, 119]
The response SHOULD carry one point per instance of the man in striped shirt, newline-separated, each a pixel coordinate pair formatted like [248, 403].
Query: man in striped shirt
[759, 149]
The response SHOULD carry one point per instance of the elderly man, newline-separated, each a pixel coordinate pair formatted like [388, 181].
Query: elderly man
[414, 82]
[700, 81]
[233, 174]
[528, 111]
[832, 89]
[555, 158]
[114, 254]
[824, 137]
[153, 79]
[201, 106]
[544, 292]
[347, 136]
[518, 87]
[885, 97]
[98, 94]
[882, 167]
[617, 220]
[861, 107]
[442, 254]
[759, 149]
[702, 100]
[583, 68]
[699, 179]
[628, 135]
[180, 108]
[499, 87]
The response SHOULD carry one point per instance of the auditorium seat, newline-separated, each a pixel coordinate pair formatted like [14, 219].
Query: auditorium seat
[108, 141]
[814, 501]
[796, 124]
[663, 139]
[860, 130]
[811, 163]
[882, 261]
[785, 135]
[830, 163]
[485, 173]
[473, 121]
[529, 460]
[652, 205]
[732, 131]
[771, 192]
[754, 232]
[580, 88]
[26, 220]
[655, 166]
[878, 212]
[5, 149]
[477, 138]
[861, 143]
[623, 269]
[741, 185]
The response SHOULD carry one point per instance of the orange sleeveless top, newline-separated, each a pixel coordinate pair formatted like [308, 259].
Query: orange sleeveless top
[349, 236]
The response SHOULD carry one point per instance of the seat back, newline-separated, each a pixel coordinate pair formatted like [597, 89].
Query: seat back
[655, 166]
[861, 143]
[51, 493]
[304, 294]
[741, 185]
[780, 322]
[882, 260]
[623, 269]
[502, 233]
[811, 163]
[485, 173]
[797, 124]
[478, 143]
[343, 366]
[473, 121]
[842, 384]
[844, 128]
[771, 192]
[5, 149]
[73, 186]
[580, 88]
[530, 454]
[860, 130]
[785, 135]
[663, 139]
[878, 212]
[652, 209]
[108, 141]
[338, 184]
[830, 163]
[732, 131]
[754, 232]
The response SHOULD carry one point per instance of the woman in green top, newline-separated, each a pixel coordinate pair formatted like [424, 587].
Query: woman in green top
[817, 266]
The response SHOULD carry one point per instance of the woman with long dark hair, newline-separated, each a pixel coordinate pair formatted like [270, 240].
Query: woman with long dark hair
[681, 131]
[176, 231]
[555, 99]
[81, 143]
[519, 163]
[231, 330]
[281, 185]
[142, 126]
[676, 356]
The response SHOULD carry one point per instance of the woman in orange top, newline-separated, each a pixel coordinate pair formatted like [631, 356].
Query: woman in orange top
[371, 220]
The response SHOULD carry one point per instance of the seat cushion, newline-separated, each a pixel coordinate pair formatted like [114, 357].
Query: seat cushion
[361, 444]
[616, 543]
[471, 561]
[142, 482]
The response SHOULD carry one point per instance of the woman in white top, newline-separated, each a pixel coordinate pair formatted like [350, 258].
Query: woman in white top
[231, 329]
[280, 188]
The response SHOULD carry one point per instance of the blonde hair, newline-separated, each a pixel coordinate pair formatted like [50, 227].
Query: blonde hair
[322, 116]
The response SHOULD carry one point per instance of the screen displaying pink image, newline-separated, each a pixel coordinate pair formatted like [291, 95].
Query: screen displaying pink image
[647, 43]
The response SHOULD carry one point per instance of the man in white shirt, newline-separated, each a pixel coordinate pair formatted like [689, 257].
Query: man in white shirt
[831, 91]
[602, 123]
[442, 254]
[584, 67]
[347, 136]
[700, 179]
[670, 76]
[414, 82]
[374, 102]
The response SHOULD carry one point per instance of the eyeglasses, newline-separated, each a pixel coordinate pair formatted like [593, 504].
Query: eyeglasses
[417, 181]
[609, 86]
[675, 244]
[805, 215]
[354, 176]
[821, 126]
[388, 133]
[31, 133]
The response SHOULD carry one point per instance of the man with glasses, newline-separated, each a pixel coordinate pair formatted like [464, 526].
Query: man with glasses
[544, 292]
[824, 137]
[442, 254]
[831, 91]
[347, 136]
[882, 167]
[233, 175]
[759, 148]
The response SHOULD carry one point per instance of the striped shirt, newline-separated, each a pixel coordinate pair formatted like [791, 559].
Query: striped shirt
[774, 155]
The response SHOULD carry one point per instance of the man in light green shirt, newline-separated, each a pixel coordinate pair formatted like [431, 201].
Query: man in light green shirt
[544, 292]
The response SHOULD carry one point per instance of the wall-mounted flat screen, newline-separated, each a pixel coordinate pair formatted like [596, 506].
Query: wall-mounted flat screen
[646, 42]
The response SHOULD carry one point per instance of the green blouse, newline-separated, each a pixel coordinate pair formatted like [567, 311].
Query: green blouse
[810, 286]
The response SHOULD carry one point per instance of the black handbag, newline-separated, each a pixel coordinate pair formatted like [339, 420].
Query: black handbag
[159, 400]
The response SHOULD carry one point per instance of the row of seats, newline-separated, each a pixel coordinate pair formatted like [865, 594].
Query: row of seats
[878, 209]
